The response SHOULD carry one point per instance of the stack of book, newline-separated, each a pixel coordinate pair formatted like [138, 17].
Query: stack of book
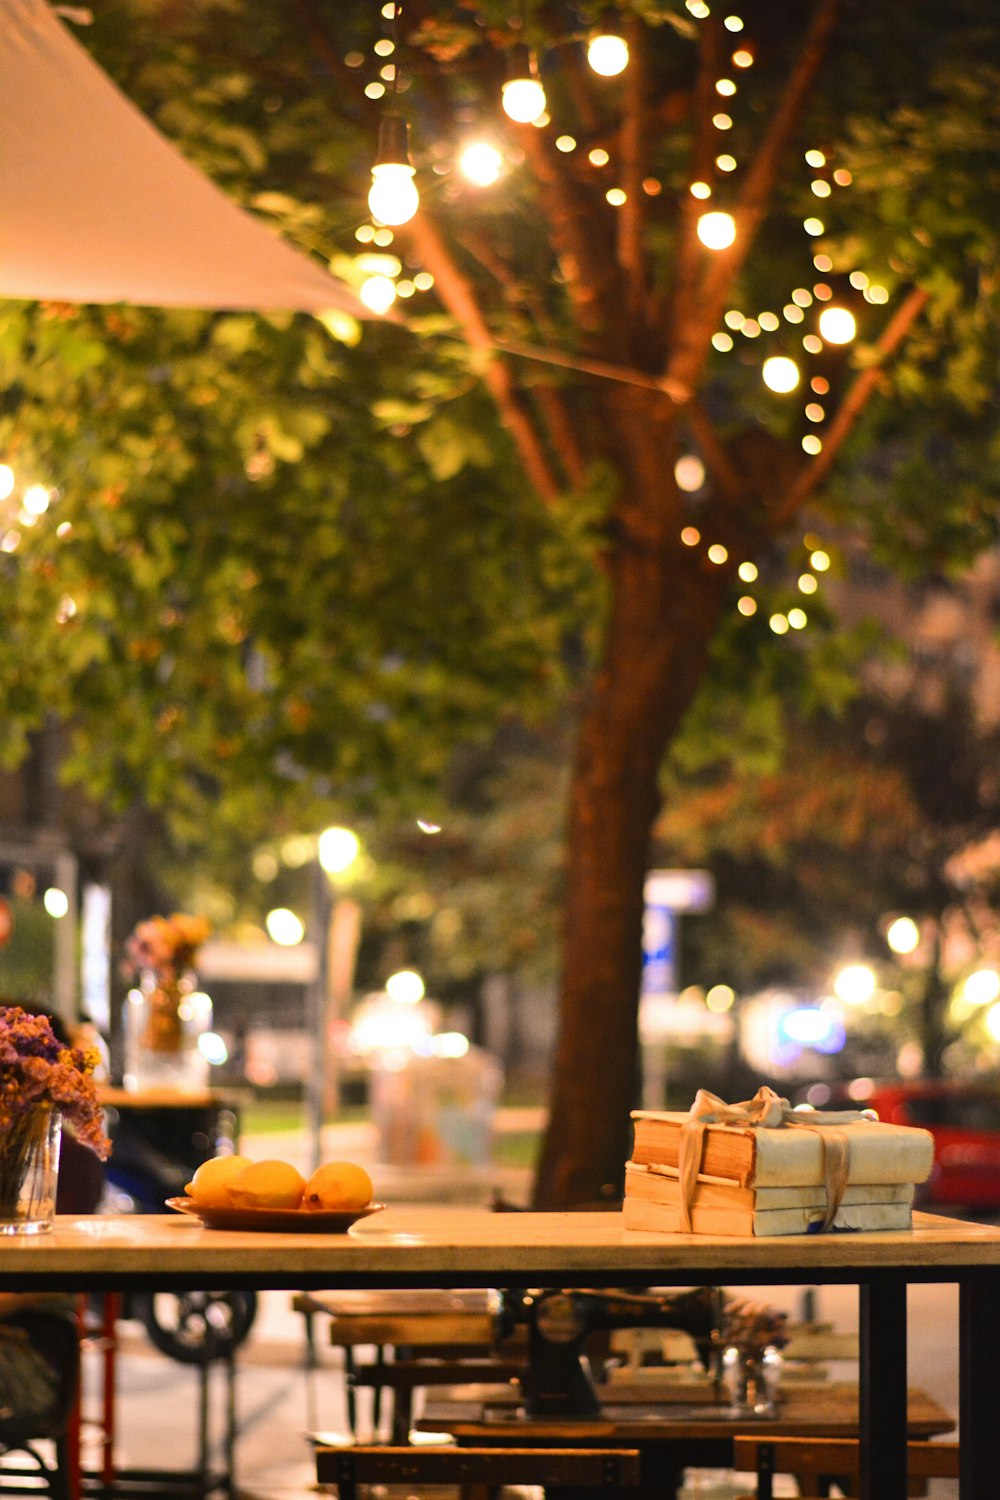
[760, 1181]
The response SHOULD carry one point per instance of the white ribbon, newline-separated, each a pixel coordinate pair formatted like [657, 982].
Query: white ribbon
[767, 1111]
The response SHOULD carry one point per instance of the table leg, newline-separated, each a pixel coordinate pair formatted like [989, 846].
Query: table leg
[978, 1428]
[882, 1328]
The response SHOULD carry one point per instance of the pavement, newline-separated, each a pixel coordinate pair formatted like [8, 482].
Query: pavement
[278, 1403]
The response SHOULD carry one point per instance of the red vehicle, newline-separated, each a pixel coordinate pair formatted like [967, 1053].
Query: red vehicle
[963, 1118]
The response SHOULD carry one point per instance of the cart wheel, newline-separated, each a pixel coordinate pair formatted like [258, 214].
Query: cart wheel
[196, 1327]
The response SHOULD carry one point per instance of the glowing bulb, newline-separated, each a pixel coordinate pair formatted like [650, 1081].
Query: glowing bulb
[405, 986]
[378, 293]
[982, 987]
[523, 100]
[717, 554]
[780, 373]
[608, 54]
[6, 481]
[393, 198]
[747, 571]
[689, 472]
[903, 935]
[855, 984]
[837, 325]
[36, 500]
[481, 163]
[56, 902]
[338, 848]
[717, 230]
[746, 605]
[284, 927]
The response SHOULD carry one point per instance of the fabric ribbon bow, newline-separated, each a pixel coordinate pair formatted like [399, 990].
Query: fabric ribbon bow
[767, 1111]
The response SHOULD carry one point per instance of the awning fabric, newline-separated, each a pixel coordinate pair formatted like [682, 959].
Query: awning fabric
[97, 206]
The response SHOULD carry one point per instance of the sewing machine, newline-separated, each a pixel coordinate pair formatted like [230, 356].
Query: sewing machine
[558, 1380]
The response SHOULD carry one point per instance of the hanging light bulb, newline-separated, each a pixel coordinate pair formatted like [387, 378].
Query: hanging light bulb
[522, 95]
[607, 51]
[393, 198]
[780, 373]
[716, 230]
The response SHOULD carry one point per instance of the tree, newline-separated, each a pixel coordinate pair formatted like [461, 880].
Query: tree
[562, 559]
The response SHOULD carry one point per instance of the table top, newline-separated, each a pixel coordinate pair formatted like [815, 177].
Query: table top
[829, 1411]
[450, 1246]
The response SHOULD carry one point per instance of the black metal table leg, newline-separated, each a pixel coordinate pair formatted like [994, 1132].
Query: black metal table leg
[978, 1428]
[882, 1327]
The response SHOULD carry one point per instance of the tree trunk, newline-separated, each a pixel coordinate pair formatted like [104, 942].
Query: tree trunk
[664, 608]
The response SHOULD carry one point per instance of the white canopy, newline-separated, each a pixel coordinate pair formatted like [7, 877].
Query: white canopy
[97, 206]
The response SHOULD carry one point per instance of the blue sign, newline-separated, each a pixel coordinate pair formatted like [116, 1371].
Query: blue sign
[659, 951]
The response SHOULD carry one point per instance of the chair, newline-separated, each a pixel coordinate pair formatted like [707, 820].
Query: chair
[436, 1338]
[56, 1336]
[612, 1469]
[832, 1458]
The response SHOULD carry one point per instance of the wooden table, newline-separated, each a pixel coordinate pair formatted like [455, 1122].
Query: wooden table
[463, 1247]
[673, 1427]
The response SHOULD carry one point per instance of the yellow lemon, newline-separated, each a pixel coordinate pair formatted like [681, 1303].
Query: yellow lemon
[209, 1187]
[338, 1185]
[268, 1184]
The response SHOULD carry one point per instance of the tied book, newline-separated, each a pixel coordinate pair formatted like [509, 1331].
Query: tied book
[788, 1155]
[662, 1185]
[664, 1218]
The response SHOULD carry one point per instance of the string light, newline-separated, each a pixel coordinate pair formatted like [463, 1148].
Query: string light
[807, 583]
[813, 226]
[779, 624]
[690, 536]
[717, 554]
[689, 472]
[393, 198]
[798, 619]
[746, 605]
[607, 52]
[819, 560]
[523, 96]
[700, 190]
[716, 230]
[747, 571]
[481, 163]
[378, 293]
[780, 374]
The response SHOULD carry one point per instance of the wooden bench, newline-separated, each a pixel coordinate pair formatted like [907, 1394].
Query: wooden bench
[832, 1458]
[582, 1468]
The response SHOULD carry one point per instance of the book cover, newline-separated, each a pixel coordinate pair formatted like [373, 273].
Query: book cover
[789, 1156]
[662, 1185]
[664, 1218]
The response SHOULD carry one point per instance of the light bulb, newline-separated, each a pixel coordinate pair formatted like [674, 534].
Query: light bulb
[378, 293]
[717, 230]
[607, 54]
[780, 373]
[481, 163]
[523, 100]
[837, 325]
[393, 198]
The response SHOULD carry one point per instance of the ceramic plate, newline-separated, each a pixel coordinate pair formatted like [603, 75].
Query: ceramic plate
[277, 1220]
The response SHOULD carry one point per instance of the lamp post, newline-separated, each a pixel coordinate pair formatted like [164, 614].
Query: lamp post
[336, 922]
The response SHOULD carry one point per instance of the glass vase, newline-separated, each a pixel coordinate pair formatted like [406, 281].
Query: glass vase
[164, 1019]
[29, 1170]
[751, 1377]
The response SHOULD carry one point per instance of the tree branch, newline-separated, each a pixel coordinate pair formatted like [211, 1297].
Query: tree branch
[713, 450]
[457, 295]
[851, 408]
[758, 188]
[632, 215]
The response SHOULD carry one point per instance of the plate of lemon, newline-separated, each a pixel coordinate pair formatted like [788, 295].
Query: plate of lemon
[233, 1192]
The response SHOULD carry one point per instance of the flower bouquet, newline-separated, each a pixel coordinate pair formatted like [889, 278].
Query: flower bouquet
[42, 1083]
[160, 953]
